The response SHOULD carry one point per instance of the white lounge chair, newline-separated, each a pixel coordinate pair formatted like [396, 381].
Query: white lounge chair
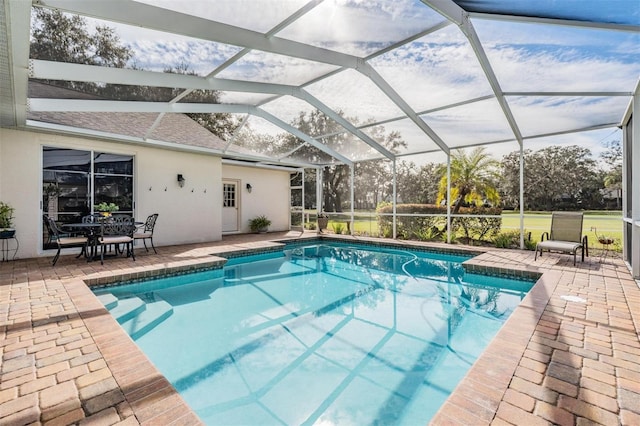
[566, 235]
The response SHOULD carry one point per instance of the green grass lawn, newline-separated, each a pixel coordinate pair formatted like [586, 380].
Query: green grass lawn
[604, 223]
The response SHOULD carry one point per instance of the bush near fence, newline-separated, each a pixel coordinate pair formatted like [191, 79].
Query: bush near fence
[434, 227]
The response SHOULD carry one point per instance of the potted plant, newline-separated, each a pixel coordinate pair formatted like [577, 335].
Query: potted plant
[6, 220]
[259, 224]
[106, 209]
[323, 221]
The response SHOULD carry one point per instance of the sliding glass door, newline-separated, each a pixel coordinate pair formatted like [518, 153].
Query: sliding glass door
[74, 181]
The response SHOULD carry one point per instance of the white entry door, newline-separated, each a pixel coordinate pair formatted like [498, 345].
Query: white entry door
[230, 206]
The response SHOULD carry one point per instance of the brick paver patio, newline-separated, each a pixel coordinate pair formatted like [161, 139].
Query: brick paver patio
[569, 355]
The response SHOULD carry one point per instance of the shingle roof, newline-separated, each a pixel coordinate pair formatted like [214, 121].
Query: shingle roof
[176, 128]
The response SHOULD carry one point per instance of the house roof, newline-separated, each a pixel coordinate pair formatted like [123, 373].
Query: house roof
[441, 74]
[176, 129]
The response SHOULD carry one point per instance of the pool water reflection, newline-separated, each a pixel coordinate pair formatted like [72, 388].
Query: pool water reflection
[319, 334]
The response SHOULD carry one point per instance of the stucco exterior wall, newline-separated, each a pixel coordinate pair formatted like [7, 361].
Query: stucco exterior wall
[269, 195]
[186, 215]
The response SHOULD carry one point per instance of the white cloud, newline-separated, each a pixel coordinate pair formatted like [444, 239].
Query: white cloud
[539, 115]
[520, 69]
[361, 27]
[271, 68]
[435, 70]
[530, 57]
[356, 95]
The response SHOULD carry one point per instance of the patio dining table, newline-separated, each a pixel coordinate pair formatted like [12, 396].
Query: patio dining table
[91, 230]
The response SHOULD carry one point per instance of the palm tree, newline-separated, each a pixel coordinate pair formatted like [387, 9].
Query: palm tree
[473, 178]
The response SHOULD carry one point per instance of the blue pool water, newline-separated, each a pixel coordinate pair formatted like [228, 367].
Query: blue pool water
[319, 334]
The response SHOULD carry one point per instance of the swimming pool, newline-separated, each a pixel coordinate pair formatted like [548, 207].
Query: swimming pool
[317, 334]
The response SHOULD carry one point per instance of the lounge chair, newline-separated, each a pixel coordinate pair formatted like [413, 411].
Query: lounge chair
[566, 235]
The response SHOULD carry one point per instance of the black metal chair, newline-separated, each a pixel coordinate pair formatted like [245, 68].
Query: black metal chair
[146, 232]
[63, 241]
[51, 238]
[116, 230]
[92, 218]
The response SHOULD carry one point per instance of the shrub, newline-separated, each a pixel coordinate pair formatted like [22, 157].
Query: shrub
[6, 215]
[410, 227]
[338, 227]
[480, 227]
[259, 224]
[432, 227]
[508, 239]
[511, 240]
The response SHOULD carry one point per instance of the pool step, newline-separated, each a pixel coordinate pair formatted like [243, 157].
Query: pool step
[108, 300]
[127, 309]
[146, 320]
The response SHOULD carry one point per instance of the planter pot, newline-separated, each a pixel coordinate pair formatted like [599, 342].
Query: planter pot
[7, 233]
[323, 222]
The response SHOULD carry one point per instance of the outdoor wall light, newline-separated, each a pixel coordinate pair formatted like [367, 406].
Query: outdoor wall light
[249, 187]
[181, 180]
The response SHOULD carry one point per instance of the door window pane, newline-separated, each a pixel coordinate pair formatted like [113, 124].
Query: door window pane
[113, 164]
[229, 195]
[65, 180]
[66, 159]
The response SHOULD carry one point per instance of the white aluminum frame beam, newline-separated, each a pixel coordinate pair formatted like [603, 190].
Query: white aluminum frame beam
[307, 97]
[143, 15]
[18, 18]
[51, 70]
[138, 14]
[89, 105]
[297, 133]
[460, 17]
[525, 138]
[382, 84]
[76, 105]
[292, 18]
[567, 93]
[403, 117]
[158, 143]
[89, 73]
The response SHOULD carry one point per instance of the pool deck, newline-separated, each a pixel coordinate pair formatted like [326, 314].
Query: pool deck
[568, 355]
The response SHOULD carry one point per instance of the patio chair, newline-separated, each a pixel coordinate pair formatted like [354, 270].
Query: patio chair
[116, 230]
[566, 235]
[92, 218]
[146, 232]
[63, 241]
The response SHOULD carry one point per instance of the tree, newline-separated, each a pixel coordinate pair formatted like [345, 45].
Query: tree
[556, 177]
[474, 179]
[417, 185]
[371, 175]
[509, 185]
[56, 36]
[59, 37]
[613, 174]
